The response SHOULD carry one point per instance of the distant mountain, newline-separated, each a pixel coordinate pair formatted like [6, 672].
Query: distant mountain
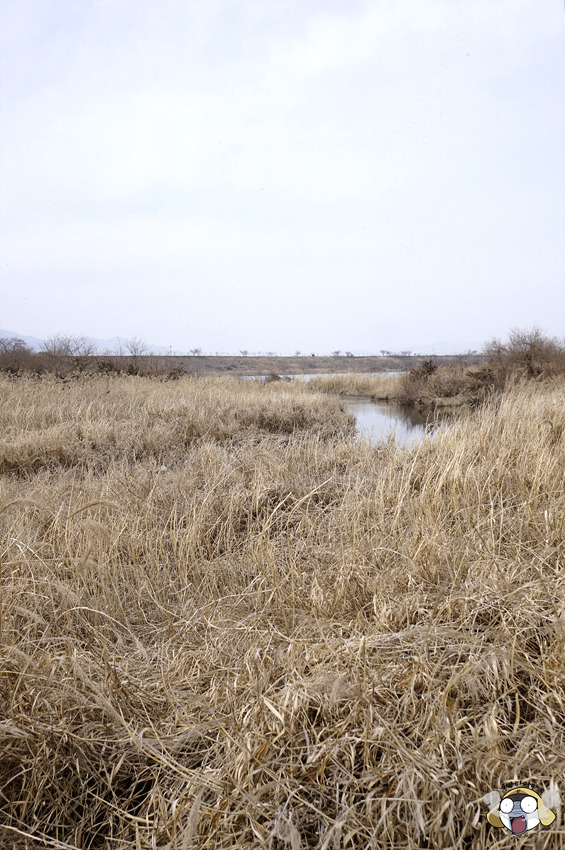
[34, 342]
[112, 344]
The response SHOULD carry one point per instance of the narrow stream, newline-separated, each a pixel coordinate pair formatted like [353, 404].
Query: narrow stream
[376, 420]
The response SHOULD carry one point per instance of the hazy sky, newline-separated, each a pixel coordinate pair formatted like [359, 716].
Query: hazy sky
[283, 174]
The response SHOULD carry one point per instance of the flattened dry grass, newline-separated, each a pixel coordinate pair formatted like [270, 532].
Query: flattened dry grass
[48, 423]
[281, 640]
[380, 387]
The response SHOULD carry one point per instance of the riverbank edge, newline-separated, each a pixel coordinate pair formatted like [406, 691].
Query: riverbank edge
[456, 401]
[460, 400]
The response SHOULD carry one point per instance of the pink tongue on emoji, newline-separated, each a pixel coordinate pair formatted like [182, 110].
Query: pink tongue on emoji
[518, 825]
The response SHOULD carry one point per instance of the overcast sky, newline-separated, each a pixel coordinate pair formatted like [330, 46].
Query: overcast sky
[283, 175]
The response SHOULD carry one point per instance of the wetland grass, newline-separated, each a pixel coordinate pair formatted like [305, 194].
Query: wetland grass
[225, 623]
[378, 387]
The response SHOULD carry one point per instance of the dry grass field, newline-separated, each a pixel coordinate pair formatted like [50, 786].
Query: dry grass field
[379, 387]
[451, 385]
[225, 623]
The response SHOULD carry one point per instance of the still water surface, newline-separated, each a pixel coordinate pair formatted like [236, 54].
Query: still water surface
[376, 420]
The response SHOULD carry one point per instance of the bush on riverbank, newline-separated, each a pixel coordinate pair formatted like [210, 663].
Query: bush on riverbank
[278, 640]
[427, 385]
[527, 354]
[430, 385]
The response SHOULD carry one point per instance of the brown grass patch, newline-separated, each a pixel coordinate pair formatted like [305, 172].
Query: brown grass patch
[274, 638]
[99, 420]
[379, 387]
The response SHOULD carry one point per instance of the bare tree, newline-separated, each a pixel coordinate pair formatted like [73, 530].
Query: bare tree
[67, 350]
[196, 352]
[66, 345]
[16, 355]
[406, 353]
[336, 353]
[494, 347]
[349, 354]
[244, 353]
[137, 348]
[13, 343]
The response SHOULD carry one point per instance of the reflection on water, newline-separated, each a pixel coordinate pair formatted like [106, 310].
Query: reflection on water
[377, 419]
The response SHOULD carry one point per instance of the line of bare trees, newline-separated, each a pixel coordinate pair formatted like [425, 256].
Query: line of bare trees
[64, 354]
[528, 352]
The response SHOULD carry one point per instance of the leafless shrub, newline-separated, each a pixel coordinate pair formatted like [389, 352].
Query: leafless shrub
[175, 373]
[16, 356]
[65, 353]
[137, 348]
[528, 352]
[415, 386]
[107, 365]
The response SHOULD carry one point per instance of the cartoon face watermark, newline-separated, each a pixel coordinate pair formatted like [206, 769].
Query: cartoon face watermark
[521, 809]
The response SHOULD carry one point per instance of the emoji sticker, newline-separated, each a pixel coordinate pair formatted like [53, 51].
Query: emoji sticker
[521, 809]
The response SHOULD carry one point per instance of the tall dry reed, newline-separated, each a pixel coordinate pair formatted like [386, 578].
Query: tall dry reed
[274, 639]
[382, 387]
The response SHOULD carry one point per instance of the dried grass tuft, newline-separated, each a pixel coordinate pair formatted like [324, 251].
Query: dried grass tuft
[380, 387]
[286, 638]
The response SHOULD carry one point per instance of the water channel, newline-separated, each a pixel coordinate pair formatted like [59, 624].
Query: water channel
[376, 420]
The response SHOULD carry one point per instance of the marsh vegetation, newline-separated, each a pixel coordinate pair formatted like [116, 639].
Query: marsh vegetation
[226, 623]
